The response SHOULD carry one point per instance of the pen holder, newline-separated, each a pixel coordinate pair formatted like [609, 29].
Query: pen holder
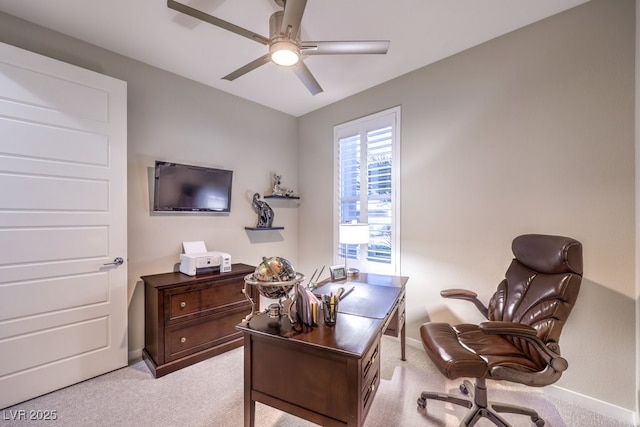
[330, 312]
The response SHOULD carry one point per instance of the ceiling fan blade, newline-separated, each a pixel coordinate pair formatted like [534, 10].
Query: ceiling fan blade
[293, 11]
[249, 67]
[188, 10]
[304, 74]
[345, 47]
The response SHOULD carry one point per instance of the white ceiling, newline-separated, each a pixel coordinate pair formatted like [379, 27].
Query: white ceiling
[421, 32]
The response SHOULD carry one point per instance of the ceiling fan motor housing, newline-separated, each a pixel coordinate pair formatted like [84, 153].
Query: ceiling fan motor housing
[283, 48]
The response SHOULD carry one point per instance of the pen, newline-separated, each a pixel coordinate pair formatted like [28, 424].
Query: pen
[348, 291]
[312, 276]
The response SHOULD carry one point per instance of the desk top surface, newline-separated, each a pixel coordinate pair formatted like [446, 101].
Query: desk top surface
[175, 278]
[361, 314]
[350, 335]
[362, 299]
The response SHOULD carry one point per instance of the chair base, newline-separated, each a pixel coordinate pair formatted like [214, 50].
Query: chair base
[480, 407]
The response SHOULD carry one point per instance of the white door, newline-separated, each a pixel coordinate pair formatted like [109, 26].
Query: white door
[63, 306]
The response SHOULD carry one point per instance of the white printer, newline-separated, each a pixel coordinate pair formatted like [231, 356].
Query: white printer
[197, 260]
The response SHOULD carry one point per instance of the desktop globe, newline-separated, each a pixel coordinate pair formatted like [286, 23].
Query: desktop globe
[275, 269]
[274, 278]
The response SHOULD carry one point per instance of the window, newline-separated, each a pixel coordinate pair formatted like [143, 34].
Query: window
[367, 189]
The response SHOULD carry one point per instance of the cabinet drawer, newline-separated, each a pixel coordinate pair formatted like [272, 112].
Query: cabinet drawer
[196, 335]
[223, 294]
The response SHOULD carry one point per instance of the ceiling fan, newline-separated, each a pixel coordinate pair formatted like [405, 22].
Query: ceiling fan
[285, 46]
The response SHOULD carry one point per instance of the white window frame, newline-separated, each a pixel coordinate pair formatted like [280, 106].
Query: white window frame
[389, 117]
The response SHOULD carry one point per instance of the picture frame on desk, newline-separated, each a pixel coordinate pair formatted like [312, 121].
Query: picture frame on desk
[338, 272]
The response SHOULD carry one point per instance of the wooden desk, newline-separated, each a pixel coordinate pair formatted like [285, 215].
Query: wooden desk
[327, 375]
[395, 319]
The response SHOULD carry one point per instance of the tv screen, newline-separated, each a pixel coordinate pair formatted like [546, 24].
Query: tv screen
[185, 188]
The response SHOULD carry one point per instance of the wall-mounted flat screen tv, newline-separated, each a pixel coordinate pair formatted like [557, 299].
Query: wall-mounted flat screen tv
[185, 188]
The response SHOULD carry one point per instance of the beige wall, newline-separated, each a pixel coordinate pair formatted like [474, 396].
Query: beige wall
[530, 132]
[175, 119]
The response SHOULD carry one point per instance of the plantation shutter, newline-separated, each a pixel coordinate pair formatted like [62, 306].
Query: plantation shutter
[365, 155]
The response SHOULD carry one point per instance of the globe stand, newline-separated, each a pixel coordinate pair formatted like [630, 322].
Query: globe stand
[273, 290]
[275, 310]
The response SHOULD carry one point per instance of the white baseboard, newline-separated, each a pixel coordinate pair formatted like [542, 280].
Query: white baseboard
[612, 411]
[604, 408]
[415, 343]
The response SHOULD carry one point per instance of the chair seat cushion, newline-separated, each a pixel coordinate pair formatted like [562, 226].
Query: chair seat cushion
[454, 350]
[441, 343]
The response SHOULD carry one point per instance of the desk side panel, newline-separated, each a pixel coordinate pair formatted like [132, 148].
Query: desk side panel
[283, 370]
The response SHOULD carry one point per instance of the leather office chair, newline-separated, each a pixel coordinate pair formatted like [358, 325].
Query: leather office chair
[519, 342]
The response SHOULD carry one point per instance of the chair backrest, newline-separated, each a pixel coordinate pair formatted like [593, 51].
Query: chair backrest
[541, 285]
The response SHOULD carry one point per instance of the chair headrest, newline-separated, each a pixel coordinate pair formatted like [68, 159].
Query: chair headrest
[548, 254]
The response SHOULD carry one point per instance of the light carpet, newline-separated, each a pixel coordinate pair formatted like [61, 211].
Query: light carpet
[210, 394]
[395, 403]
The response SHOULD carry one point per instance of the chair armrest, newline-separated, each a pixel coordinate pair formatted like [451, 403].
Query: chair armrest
[509, 328]
[466, 295]
[549, 352]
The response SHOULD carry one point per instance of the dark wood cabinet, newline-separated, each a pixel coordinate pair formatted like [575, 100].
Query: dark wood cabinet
[191, 318]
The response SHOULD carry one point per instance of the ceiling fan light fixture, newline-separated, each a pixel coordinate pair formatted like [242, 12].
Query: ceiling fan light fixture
[284, 53]
[284, 43]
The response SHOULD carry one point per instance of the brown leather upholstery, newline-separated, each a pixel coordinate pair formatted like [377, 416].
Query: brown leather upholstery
[526, 314]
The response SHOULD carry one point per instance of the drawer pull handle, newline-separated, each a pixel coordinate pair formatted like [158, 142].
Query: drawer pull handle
[183, 304]
[183, 340]
[370, 390]
[370, 362]
[374, 356]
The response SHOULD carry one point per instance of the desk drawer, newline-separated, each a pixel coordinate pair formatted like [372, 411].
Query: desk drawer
[192, 336]
[397, 320]
[371, 362]
[222, 294]
[369, 391]
[370, 375]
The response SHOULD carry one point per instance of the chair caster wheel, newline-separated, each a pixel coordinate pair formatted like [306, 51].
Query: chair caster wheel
[466, 387]
[422, 403]
[539, 422]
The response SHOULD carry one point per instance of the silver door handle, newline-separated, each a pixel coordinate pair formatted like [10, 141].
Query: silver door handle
[117, 261]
